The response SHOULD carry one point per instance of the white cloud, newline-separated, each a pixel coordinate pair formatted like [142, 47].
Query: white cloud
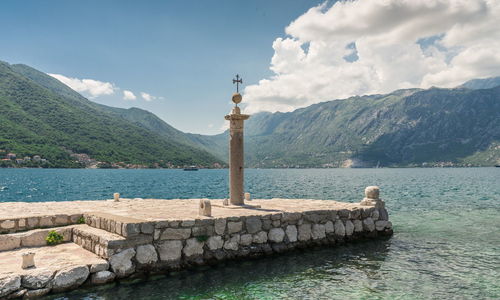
[128, 95]
[147, 96]
[376, 46]
[93, 88]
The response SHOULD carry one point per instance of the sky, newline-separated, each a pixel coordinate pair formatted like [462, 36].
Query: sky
[177, 58]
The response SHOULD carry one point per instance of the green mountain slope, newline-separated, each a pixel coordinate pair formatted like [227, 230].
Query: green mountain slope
[41, 116]
[404, 128]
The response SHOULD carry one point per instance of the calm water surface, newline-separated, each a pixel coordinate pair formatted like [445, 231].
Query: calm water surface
[446, 243]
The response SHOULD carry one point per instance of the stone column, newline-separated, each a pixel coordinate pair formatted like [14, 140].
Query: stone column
[236, 164]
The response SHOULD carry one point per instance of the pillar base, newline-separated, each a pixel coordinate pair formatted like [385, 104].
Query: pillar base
[231, 206]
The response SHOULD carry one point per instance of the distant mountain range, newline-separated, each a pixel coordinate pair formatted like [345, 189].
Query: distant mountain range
[413, 127]
[39, 115]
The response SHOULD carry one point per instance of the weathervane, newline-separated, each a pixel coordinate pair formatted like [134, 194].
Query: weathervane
[238, 80]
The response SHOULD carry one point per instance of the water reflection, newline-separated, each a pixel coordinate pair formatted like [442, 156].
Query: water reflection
[268, 277]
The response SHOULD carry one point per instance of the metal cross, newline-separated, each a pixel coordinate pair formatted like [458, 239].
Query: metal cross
[238, 80]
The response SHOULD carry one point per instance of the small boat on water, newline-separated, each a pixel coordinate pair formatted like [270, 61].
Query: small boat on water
[191, 168]
[498, 166]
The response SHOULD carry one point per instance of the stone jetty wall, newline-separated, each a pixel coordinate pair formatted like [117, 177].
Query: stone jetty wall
[167, 245]
[125, 246]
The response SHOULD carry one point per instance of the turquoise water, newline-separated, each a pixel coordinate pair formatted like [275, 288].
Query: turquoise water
[446, 243]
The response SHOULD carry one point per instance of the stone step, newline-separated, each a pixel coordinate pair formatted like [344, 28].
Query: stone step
[32, 238]
[105, 243]
[17, 224]
[124, 226]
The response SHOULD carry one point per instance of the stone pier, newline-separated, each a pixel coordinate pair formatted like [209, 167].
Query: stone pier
[104, 241]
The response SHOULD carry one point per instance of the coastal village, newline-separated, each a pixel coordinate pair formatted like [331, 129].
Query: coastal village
[10, 159]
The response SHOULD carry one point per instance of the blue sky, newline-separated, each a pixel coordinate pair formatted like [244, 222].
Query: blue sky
[184, 53]
[290, 53]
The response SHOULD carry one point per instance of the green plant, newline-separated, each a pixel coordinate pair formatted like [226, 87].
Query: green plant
[202, 238]
[81, 220]
[54, 238]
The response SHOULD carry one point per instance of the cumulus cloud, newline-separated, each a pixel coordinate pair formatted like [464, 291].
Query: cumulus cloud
[128, 95]
[147, 96]
[93, 88]
[376, 46]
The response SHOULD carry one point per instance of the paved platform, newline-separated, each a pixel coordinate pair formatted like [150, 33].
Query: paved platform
[50, 258]
[162, 209]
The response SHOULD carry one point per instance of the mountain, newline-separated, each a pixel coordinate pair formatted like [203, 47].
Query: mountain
[434, 127]
[486, 83]
[41, 116]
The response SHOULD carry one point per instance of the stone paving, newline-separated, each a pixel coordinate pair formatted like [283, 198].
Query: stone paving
[48, 258]
[161, 209]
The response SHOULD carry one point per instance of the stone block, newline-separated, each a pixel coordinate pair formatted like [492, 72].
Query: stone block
[33, 222]
[21, 223]
[147, 228]
[121, 263]
[200, 231]
[176, 234]
[37, 279]
[368, 224]
[170, 250]
[232, 243]
[275, 217]
[312, 217]
[102, 277]
[267, 224]
[32, 294]
[318, 231]
[9, 283]
[234, 227]
[276, 223]
[193, 247]
[246, 239]
[146, 254]
[329, 227]
[94, 268]
[61, 220]
[304, 232]
[34, 239]
[276, 235]
[355, 214]
[70, 278]
[349, 228]
[131, 229]
[188, 223]
[220, 226]
[9, 242]
[260, 237]
[339, 228]
[8, 224]
[46, 222]
[291, 233]
[375, 214]
[157, 234]
[383, 215]
[380, 225]
[215, 242]
[253, 224]
[118, 228]
[291, 217]
[358, 225]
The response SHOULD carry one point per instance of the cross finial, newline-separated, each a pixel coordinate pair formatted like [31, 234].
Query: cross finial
[238, 80]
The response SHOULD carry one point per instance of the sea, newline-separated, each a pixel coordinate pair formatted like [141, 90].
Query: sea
[446, 242]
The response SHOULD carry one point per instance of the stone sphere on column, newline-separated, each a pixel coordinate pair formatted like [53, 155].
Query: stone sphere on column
[237, 98]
